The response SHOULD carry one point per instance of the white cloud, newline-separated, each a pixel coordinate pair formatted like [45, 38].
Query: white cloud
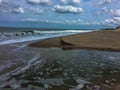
[114, 20]
[37, 11]
[18, 10]
[79, 21]
[117, 19]
[31, 20]
[34, 1]
[6, 6]
[40, 20]
[115, 12]
[104, 2]
[1, 1]
[104, 10]
[74, 2]
[108, 21]
[68, 9]
[107, 1]
[47, 2]
[64, 1]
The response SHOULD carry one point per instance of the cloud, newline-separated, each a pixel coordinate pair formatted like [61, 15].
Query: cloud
[44, 2]
[78, 21]
[70, 2]
[64, 1]
[7, 6]
[114, 20]
[33, 1]
[1, 1]
[104, 2]
[117, 19]
[40, 20]
[103, 10]
[37, 11]
[68, 9]
[115, 12]
[18, 10]
[76, 1]
[86, 0]
[109, 21]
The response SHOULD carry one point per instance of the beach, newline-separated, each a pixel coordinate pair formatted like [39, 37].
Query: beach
[48, 67]
[59, 45]
[100, 40]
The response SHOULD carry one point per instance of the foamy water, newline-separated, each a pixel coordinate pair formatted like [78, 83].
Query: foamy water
[57, 69]
[14, 37]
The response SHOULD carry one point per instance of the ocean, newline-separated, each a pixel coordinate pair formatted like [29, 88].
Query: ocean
[12, 32]
[14, 35]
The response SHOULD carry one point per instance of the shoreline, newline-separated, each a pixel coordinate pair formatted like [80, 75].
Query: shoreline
[23, 36]
[27, 29]
[105, 40]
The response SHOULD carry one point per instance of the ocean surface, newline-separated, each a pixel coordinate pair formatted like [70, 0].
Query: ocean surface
[49, 25]
[8, 36]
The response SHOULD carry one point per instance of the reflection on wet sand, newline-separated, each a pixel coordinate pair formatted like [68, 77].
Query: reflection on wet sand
[27, 68]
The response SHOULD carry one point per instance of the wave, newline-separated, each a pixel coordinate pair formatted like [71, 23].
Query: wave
[63, 31]
[15, 37]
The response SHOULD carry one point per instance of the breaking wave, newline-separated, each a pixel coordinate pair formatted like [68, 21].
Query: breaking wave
[14, 37]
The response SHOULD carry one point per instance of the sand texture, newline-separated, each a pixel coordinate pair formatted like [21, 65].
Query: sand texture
[100, 40]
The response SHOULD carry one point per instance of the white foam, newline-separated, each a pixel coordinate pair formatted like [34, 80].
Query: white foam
[18, 40]
[66, 31]
[31, 37]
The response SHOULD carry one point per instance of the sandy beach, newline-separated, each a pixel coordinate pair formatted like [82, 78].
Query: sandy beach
[100, 40]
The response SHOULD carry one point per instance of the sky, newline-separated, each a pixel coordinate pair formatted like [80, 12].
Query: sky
[83, 12]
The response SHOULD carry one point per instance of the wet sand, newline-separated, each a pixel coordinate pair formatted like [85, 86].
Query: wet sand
[100, 40]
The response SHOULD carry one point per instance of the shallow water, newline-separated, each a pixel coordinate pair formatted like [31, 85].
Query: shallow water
[27, 68]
